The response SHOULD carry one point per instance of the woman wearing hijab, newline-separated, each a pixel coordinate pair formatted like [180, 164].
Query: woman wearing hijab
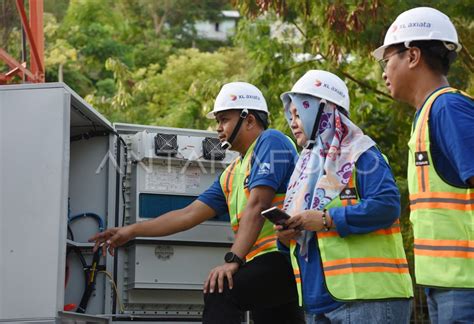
[344, 235]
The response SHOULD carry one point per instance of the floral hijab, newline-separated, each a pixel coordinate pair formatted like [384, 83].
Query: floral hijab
[324, 170]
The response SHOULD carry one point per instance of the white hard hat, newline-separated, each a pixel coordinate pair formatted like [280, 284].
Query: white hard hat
[420, 24]
[321, 84]
[239, 95]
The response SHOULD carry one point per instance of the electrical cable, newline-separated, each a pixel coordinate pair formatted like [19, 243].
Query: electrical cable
[124, 176]
[78, 252]
[90, 282]
[71, 234]
[112, 282]
[88, 271]
[99, 219]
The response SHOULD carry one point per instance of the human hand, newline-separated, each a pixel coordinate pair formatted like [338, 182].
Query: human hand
[218, 274]
[285, 235]
[310, 220]
[111, 239]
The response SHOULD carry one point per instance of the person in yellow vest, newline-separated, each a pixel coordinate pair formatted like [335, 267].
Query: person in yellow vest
[418, 50]
[344, 234]
[255, 275]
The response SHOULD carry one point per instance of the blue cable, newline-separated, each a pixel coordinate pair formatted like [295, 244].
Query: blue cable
[92, 215]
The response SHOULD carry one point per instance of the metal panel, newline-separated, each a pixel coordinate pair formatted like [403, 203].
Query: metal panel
[87, 193]
[81, 113]
[185, 179]
[208, 232]
[88, 184]
[34, 127]
[75, 318]
[62, 318]
[189, 146]
[154, 274]
[165, 266]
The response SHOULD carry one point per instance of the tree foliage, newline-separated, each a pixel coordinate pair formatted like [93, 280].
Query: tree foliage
[80, 35]
[178, 95]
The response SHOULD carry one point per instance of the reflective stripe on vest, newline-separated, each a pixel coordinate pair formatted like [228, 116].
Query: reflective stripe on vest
[345, 266]
[233, 183]
[445, 248]
[442, 215]
[296, 272]
[363, 266]
[442, 200]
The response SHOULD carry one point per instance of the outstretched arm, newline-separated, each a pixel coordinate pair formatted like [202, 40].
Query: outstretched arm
[166, 224]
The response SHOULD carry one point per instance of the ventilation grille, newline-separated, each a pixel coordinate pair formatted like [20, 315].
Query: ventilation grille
[166, 144]
[211, 149]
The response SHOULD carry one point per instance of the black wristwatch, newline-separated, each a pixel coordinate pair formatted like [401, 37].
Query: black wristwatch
[231, 257]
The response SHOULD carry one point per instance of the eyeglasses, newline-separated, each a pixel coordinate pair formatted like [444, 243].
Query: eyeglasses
[383, 62]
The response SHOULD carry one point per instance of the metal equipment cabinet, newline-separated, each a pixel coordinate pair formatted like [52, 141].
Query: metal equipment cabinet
[59, 158]
[40, 170]
[162, 277]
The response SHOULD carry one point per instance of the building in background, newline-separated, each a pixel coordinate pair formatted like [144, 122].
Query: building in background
[220, 30]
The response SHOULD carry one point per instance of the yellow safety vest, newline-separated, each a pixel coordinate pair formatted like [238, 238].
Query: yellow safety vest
[360, 266]
[442, 215]
[233, 183]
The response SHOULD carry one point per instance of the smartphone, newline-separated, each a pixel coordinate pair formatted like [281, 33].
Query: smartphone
[276, 216]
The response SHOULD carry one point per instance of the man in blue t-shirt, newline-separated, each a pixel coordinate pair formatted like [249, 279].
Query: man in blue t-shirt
[265, 285]
[418, 50]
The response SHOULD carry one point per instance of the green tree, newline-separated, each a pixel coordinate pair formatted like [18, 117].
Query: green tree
[93, 29]
[177, 96]
[137, 33]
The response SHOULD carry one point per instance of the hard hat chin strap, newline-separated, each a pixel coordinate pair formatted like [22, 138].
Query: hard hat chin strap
[228, 144]
[310, 143]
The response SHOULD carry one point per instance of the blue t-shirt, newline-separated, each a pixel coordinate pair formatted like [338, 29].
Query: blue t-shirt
[273, 160]
[378, 208]
[451, 124]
